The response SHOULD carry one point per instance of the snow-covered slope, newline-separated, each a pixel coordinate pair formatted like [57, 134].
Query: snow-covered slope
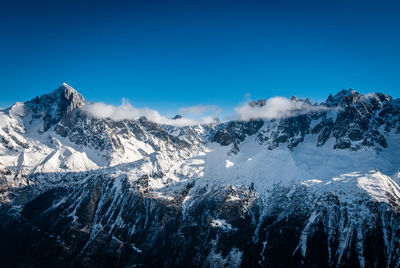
[319, 188]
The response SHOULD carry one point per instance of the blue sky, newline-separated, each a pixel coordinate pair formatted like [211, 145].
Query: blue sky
[170, 54]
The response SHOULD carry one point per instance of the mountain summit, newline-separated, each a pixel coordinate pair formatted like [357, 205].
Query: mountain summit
[316, 189]
[54, 106]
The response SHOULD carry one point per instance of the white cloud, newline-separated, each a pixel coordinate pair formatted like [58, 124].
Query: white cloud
[200, 109]
[276, 108]
[127, 111]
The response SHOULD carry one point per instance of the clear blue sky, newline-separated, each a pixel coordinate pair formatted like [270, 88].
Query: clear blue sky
[169, 54]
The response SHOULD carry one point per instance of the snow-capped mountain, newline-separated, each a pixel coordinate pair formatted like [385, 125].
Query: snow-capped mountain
[317, 189]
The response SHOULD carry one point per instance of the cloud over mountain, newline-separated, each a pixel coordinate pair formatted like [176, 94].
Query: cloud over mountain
[127, 111]
[276, 108]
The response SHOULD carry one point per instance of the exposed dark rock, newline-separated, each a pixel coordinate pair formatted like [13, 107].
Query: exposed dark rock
[104, 218]
[56, 105]
[236, 131]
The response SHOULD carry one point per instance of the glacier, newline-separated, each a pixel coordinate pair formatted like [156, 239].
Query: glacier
[319, 188]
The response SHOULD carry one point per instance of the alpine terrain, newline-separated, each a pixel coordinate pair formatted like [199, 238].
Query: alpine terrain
[319, 188]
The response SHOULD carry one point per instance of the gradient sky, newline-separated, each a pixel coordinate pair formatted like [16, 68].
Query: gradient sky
[170, 54]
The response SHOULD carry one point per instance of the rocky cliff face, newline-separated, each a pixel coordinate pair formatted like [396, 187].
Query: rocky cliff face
[319, 189]
[355, 121]
[53, 107]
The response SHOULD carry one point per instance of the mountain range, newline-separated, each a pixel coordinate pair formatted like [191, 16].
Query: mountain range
[317, 188]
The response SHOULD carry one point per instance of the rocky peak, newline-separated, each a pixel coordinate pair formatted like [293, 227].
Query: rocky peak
[75, 99]
[350, 97]
[353, 120]
[178, 116]
[259, 103]
[343, 98]
[54, 106]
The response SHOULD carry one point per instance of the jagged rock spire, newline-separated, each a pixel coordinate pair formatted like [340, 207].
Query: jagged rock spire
[54, 106]
[75, 99]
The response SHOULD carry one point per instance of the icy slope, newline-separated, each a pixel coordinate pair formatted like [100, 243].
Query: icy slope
[318, 188]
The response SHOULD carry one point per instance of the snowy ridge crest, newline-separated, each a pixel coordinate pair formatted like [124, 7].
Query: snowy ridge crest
[317, 187]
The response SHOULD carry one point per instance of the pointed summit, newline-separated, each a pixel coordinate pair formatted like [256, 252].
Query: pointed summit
[54, 106]
[344, 98]
[65, 86]
[72, 96]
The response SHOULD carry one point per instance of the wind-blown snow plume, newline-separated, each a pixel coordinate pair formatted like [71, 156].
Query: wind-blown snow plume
[276, 108]
[128, 111]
